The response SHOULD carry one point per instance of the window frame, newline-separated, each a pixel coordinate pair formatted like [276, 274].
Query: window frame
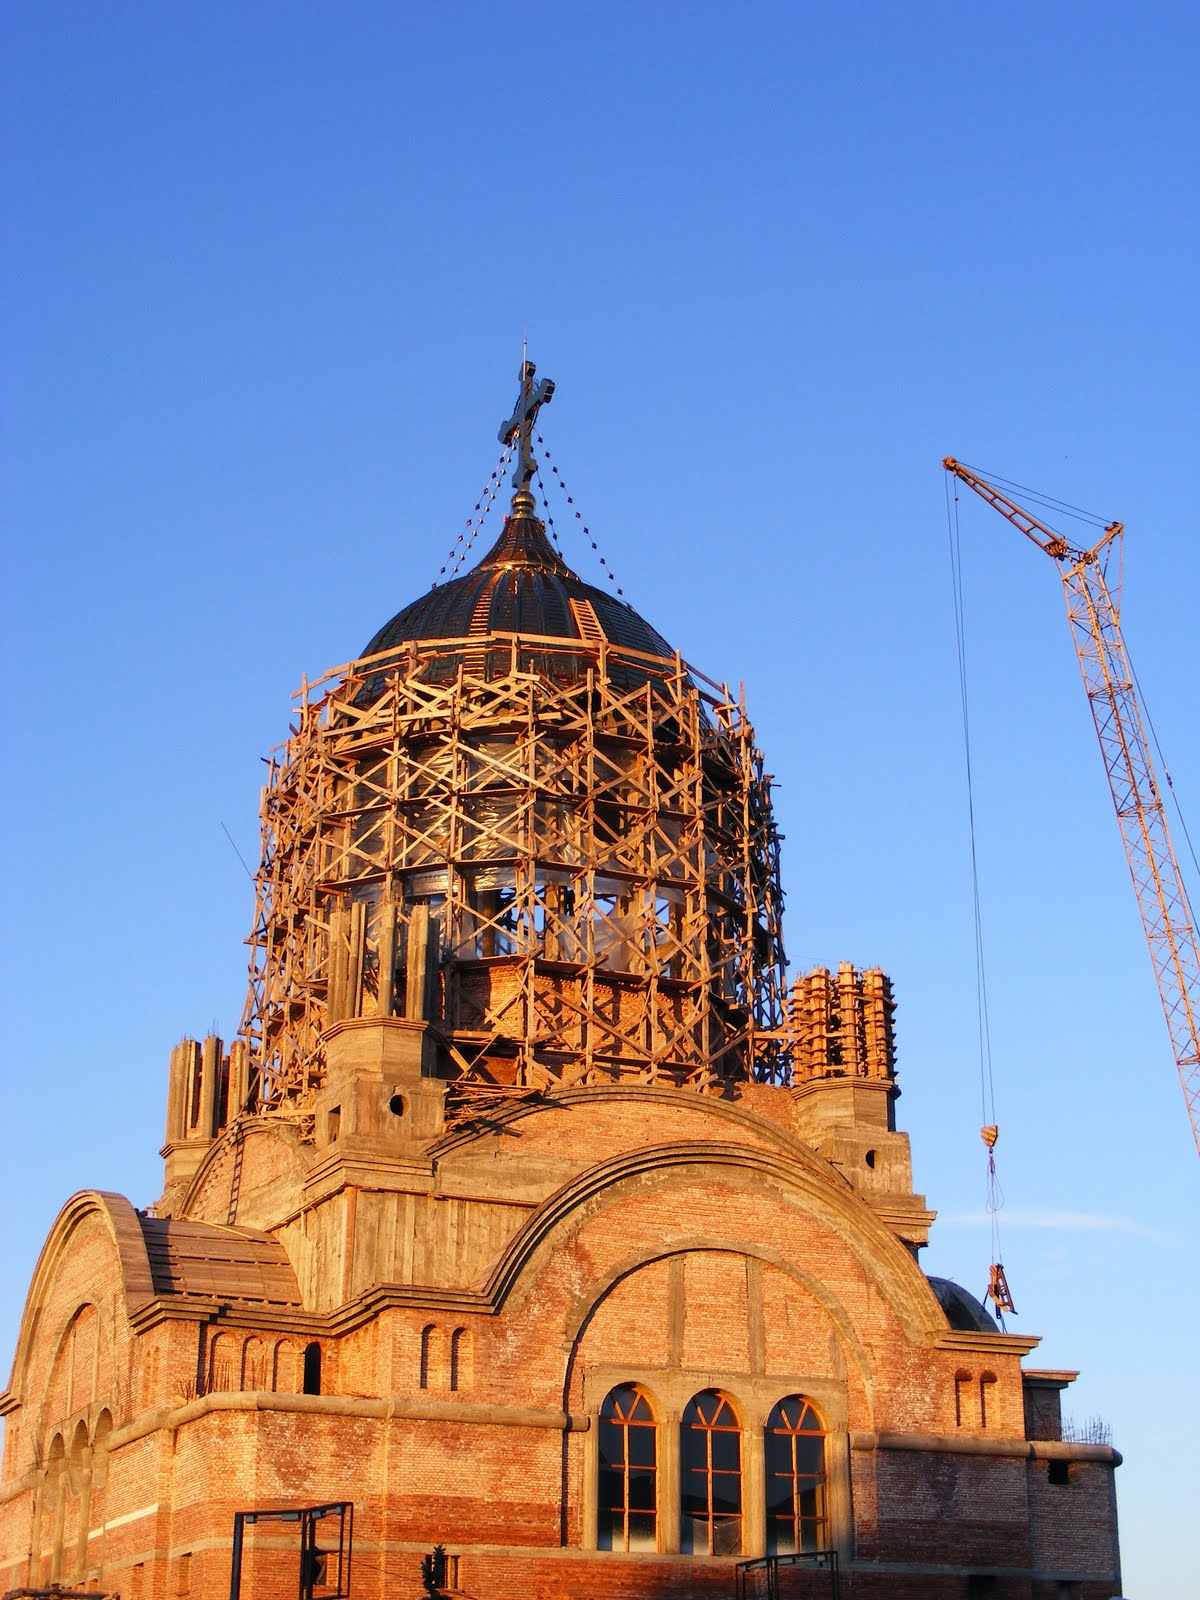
[810, 1530]
[627, 1408]
[725, 1531]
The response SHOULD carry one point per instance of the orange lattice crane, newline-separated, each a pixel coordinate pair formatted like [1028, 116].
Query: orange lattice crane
[1094, 615]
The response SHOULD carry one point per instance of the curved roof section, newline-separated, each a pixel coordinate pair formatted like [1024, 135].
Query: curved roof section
[521, 586]
[200, 1258]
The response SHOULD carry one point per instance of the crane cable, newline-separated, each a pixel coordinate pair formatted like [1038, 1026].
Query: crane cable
[997, 1289]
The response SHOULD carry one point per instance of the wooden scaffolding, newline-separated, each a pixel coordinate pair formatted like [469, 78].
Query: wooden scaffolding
[558, 853]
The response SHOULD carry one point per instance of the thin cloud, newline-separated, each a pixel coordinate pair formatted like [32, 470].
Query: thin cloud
[1061, 1221]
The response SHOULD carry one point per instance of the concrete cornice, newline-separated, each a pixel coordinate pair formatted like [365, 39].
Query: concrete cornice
[954, 1444]
[383, 1408]
[983, 1342]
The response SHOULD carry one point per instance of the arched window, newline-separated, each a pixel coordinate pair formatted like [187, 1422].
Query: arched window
[627, 1501]
[795, 1463]
[711, 1464]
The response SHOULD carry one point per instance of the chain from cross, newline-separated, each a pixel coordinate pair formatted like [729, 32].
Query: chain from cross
[520, 425]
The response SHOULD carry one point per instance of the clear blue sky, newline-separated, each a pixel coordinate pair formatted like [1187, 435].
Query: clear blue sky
[267, 273]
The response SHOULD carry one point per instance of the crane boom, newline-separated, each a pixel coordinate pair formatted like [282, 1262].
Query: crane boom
[1094, 617]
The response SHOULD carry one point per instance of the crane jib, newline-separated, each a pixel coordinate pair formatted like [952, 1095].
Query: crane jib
[1094, 619]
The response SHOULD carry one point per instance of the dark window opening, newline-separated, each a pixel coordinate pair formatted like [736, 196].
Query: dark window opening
[795, 1466]
[985, 1385]
[627, 1501]
[396, 1105]
[1058, 1472]
[870, 1158]
[334, 1124]
[312, 1369]
[711, 1463]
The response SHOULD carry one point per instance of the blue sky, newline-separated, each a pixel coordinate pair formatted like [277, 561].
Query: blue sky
[268, 269]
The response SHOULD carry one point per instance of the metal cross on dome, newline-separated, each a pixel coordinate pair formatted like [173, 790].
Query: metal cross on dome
[520, 424]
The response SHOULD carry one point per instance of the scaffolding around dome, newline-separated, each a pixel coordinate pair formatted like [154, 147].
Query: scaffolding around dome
[567, 873]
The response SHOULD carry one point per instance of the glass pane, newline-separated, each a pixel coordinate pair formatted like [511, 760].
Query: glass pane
[694, 1447]
[611, 1488]
[643, 1534]
[778, 1451]
[726, 1493]
[781, 1538]
[611, 1443]
[726, 1451]
[620, 1401]
[727, 1536]
[704, 1407]
[812, 1502]
[641, 1490]
[779, 1497]
[810, 1454]
[641, 1447]
[606, 1524]
[693, 1536]
[785, 1415]
[694, 1494]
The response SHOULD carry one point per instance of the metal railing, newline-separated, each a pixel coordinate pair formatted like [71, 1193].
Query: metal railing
[773, 1577]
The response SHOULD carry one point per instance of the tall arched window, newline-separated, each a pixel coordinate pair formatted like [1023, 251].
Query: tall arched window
[711, 1465]
[627, 1499]
[795, 1461]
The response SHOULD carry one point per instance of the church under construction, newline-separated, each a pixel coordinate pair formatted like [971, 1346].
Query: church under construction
[535, 1237]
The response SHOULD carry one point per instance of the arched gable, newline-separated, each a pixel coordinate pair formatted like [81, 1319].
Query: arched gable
[263, 1186]
[94, 1262]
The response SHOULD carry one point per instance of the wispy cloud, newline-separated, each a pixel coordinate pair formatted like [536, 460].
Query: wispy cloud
[1060, 1221]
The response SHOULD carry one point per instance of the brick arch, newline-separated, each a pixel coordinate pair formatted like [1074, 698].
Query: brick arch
[287, 1367]
[224, 1363]
[256, 1362]
[101, 1436]
[830, 1198]
[56, 1468]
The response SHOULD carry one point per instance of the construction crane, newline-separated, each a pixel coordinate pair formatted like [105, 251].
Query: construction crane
[1093, 612]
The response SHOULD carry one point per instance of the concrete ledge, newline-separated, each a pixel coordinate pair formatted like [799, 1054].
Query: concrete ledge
[332, 1405]
[954, 1444]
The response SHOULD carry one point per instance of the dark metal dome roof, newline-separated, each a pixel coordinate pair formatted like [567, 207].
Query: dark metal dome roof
[521, 586]
[962, 1309]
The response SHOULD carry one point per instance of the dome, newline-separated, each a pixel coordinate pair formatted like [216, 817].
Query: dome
[962, 1309]
[521, 586]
